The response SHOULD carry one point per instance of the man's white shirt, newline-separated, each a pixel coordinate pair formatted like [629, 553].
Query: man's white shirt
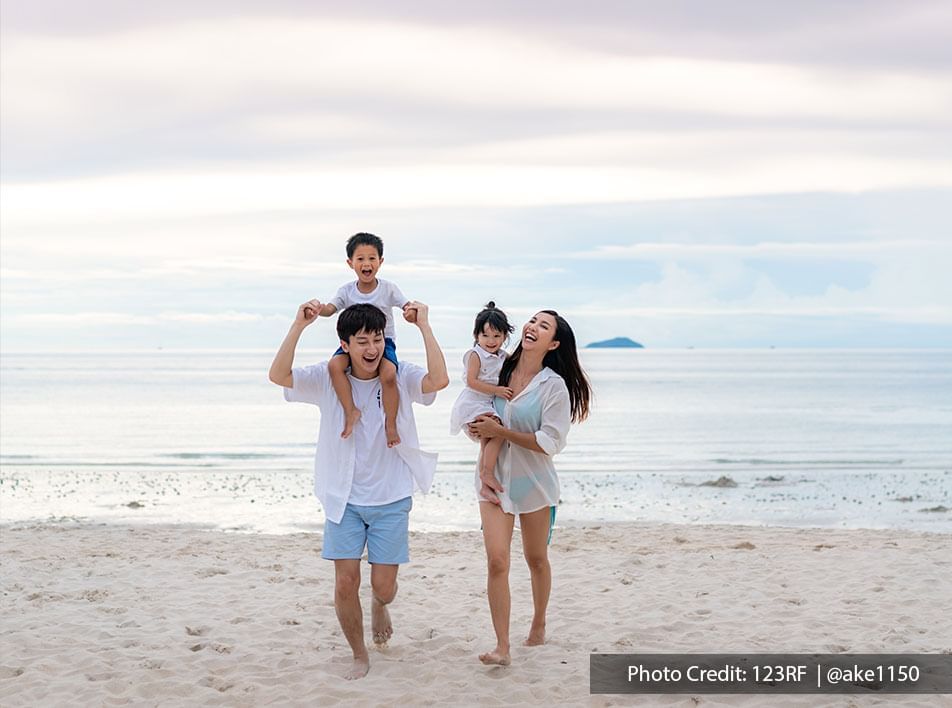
[361, 469]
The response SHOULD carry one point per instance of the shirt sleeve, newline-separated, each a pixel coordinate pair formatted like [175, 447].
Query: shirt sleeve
[308, 384]
[340, 298]
[412, 377]
[397, 298]
[556, 419]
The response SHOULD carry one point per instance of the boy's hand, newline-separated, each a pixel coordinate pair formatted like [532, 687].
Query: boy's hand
[416, 313]
[308, 312]
[504, 392]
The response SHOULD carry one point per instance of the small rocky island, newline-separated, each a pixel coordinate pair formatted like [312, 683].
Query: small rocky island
[616, 343]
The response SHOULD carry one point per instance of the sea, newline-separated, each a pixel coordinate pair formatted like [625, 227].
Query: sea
[766, 437]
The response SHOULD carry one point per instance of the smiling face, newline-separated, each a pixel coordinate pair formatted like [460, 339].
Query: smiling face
[365, 262]
[365, 350]
[490, 339]
[539, 332]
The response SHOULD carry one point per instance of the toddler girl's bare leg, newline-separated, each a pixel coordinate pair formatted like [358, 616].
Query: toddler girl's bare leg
[337, 368]
[391, 400]
[488, 457]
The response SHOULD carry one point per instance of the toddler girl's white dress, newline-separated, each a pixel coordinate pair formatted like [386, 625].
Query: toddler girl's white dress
[471, 403]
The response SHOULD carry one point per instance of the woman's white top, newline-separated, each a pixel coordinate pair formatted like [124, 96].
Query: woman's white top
[528, 478]
[472, 403]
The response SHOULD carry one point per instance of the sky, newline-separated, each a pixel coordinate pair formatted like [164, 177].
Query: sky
[734, 174]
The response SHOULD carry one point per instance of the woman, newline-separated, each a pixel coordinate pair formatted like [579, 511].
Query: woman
[549, 392]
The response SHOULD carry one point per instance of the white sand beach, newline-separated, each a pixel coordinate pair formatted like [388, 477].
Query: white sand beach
[160, 615]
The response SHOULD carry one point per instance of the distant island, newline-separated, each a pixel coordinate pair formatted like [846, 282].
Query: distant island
[616, 343]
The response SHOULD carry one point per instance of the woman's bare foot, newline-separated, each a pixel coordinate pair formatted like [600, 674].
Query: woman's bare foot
[393, 438]
[496, 657]
[536, 637]
[350, 420]
[380, 623]
[358, 669]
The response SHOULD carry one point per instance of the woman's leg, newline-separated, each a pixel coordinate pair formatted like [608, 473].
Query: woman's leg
[535, 540]
[497, 536]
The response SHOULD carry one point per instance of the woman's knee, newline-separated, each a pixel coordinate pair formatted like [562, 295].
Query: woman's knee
[498, 564]
[537, 562]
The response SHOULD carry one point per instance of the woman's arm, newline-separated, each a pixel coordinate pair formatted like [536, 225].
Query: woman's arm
[489, 427]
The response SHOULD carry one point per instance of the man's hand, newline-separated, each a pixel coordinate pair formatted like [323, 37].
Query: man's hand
[416, 313]
[308, 312]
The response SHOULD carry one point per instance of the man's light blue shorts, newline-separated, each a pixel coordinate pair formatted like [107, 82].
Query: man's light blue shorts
[385, 530]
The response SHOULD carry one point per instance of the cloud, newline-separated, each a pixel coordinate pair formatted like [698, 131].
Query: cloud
[794, 249]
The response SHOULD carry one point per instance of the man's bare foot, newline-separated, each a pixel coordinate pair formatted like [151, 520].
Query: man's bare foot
[380, 623]
[536, 638]
[358, 669]
[393, 438]
[496, 657]
[350, 420]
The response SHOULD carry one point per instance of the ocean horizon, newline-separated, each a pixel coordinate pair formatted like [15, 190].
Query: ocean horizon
[845, 438]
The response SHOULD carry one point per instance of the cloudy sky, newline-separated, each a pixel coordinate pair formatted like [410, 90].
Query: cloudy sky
[685, 173]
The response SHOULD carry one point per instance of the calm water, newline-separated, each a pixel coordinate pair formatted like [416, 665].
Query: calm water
[822, 438]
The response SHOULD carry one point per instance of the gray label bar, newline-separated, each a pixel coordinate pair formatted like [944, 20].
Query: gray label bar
[770, 673]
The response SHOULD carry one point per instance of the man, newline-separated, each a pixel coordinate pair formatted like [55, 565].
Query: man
[365, 487]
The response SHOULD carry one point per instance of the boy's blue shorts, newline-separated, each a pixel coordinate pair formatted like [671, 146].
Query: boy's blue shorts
[389, 352]
[385, 530]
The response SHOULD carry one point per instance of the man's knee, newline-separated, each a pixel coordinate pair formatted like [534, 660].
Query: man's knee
[384, 588]
[347, 582]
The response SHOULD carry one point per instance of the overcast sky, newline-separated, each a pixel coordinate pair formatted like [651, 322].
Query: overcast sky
[687, 173]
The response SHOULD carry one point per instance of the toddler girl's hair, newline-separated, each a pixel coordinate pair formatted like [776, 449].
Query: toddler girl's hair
[495, 318]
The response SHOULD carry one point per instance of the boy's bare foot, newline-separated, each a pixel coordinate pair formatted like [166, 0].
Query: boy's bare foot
[350, 420]
[358, 669]
[380, 623]
[536, 638]
[496, 657]
[393, 438]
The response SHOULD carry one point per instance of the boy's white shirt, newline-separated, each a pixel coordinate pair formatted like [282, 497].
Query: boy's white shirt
[385, 297]
[335, 457]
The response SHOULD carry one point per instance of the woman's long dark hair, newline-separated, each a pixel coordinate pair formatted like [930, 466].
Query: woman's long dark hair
[563, 360]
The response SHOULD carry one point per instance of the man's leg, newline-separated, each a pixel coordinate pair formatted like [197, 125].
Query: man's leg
[388, 545]
[383, 583]
[350, 615]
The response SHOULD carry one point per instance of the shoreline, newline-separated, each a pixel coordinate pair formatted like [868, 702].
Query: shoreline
[173, 614]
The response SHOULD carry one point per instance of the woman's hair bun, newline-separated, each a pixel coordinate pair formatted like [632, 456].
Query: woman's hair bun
[490, 305]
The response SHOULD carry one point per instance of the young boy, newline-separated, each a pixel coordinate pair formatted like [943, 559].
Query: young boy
[365, 256]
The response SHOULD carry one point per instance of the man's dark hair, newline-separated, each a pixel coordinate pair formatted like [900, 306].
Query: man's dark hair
[358, 318]
[363, 239]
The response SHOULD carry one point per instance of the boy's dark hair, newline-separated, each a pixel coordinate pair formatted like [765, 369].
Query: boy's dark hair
[363, 239]
[358, 318]
[495, 318]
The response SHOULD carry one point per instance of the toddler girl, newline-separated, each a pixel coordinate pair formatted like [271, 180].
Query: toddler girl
[481, 365]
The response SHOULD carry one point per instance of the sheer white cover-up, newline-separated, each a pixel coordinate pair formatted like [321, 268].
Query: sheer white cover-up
[528, 478]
